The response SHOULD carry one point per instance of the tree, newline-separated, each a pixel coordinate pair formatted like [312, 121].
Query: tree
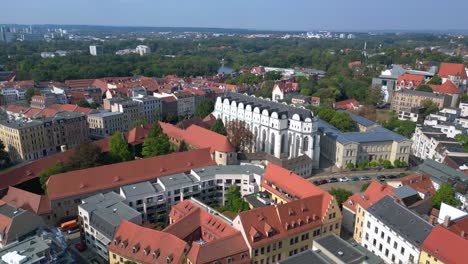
[435, 80]
[362, 165]
[183, 146]
[156, 146]
[325, 113]
[374, 95]
[5, 160]
[234, 201]
[58, 167]
[265, 90]
[373, 163]
[218, 127]
[30, 92]
[204, 108]
[350, 166]
[404, 164]
[83, 103]
[424, 88]
[462, 139]
[445, 194]
[273, 75]
[155, 131]
[86, 155]
[341, 195]
[343, 122]
[239, 135]
[429, 107]
[397, 163]
[119, 151]
[365, 186]
[387, 164]
[138, 122]
[403, 127]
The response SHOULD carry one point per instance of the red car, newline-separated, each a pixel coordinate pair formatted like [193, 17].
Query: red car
[323, 182]
[81, 247]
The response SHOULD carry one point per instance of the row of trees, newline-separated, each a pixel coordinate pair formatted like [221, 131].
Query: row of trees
[362, 165]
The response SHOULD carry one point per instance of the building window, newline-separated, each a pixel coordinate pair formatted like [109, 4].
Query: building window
[395, 245]
[402, 251]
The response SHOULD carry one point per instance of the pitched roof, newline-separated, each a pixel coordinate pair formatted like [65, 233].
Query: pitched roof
[447, 246]
[419, 182]
[39, 204]
[371, 195]
[218, 238]
[347, 104]
[199, 137]
[138, 134]
[447, 87]
[266, 224]
[455, 69]
[31, 170]
[162, 244]
[407, 78]
[292, 185]
[115, 175]
[286, 87]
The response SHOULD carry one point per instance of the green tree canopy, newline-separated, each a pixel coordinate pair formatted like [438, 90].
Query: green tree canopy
[119, 151]
[5, 160]
[218, 127]
[435, 80]
[86, 155]
[273, 75]
[350, 166]
[83, 103]
[429, 107]
[397, 163]
[204, 108]
[341, 195]
[445, 194]
[463, 139]
[343, 122]
[58, 167]
[403, 127]
[387, 164]
[156, 146]
[234, 201]
[424, 88]
[155, 131]
[30, 92]
[365, 186]
[138, 122]
[183, 146]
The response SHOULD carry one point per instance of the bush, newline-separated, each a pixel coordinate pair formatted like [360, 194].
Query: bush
[350, 166]
[362, 165]
[373, 163]
[397, 163]
[387, 164]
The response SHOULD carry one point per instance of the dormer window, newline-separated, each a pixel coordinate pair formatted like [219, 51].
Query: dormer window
[117, 240]
[136, 248]
[125, 244]
[146, 251]
[169, 259]
[156, 253]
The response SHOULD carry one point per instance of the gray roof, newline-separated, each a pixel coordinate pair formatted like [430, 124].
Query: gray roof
[307, 256]
[254, 199]
[21, 124]
[107, 212]
[138, 189]
[32, 248]
[178, 180]
[440, 172]
[281, 108]
[373, 134]
[105, 114]
[229, 169]
[401, 220]
[404, 192]
[358, 119]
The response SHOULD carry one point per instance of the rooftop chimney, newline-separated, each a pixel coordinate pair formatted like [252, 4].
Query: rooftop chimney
[447, 221]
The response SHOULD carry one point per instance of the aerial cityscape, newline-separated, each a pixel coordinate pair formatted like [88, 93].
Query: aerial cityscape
[179, 132]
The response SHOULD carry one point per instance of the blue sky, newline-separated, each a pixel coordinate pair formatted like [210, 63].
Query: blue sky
[250, 14]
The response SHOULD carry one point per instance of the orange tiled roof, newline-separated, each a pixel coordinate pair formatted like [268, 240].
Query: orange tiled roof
[39, 204]
[373, 194]
[347, 104]
[162, 244]
[407, 78]
[419, 182]
[447, 87]
[125, 173]
[454, 69]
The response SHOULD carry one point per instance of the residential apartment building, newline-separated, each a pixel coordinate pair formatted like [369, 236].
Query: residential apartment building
[454, 72]
[31, 140]
[393, 232]
[207, 184]
[100, 216]
[132, 110]
[151, 107]
[409, 81]
[282, 131]
[404, 100]
[463, 106]
[447, 243]
[41, 102]
[66, 190]
[104, 124]
[96, 50]
[143, 245]
[372, 142]
[186, 102]
[16, 224]
[210, 235]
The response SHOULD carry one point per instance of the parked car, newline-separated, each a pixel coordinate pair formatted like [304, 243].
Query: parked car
[317, 183]
[81, 247]
[355, 178]
[323, 182]
[381, 177]
[365, 178]
[344, 179]
[390, 177]
[333, 180]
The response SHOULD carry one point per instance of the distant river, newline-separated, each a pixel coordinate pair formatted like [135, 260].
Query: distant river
[225, 70]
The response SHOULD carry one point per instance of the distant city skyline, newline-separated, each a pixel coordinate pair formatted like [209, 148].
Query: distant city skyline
[303, 15]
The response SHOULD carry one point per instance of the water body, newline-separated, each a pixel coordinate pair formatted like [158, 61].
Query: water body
[225, 70]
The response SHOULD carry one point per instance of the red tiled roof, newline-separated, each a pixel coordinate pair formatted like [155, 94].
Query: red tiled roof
[447, 87]
[455, 69]
[373, 194]
[39, 204]
[31, 170]
[138, 134]
[199, 137]
[408, 78]
[289, 182]
[283, 219]
[447, 246]
[32, 112]
[5, 223]
[419, 182]
[115, 175]
[16, 108]
[167, 245]
[79, 83]
[221, 239]
[286, 87]
[347, 104]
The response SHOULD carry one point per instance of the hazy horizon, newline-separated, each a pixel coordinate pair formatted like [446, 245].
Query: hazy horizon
[300, 15]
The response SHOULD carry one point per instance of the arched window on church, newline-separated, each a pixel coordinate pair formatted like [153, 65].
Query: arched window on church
[272, 144]
[263, 140]
[283, 143]
[305, 144]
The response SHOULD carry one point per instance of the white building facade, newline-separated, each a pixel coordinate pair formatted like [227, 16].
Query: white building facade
[281, 130]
